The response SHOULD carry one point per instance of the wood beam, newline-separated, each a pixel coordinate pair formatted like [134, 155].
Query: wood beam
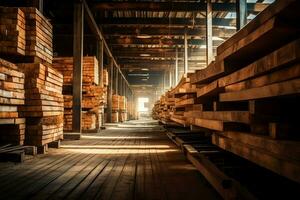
[156, 41]
[176, 67]
[110, 89]
[186, 67]
[241, 13]
[100, 61]
[173, 6]
[209, 41]
[170, 22]
[77, 60]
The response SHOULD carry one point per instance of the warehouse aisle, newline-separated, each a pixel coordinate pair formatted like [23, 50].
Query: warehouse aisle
[133, 160]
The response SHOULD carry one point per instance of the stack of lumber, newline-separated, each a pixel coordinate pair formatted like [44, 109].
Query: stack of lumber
[43, 107]
[12, 31]
[105, 77]
[248, 97]
[38, 35]
[165, 107]
[89, 70]
[12, 96]
[115, 108]
[93, 96]
[122, 108]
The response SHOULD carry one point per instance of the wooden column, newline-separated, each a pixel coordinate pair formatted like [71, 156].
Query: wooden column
[100, 62]
[170, 78]
[241, 13]
[176, 67]
[77, 59]
[116, 82]
[186, 68]
[110, 89]
[209, 42]
[100, 72]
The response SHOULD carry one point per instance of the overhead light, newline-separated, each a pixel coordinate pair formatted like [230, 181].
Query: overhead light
[202, 46]
[145, 55]
[144, 36]
[138, 75]
[145, 69]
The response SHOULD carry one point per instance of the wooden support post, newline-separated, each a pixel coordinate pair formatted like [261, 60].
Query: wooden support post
[77, 76]
[241, 14]
[170, 78]
[209, 42]
[116, 81]
[110, 89]
[176, 67]
[186, 68]
[100, 62]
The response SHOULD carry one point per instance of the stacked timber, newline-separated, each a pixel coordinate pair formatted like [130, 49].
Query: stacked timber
[105, 77]
[12, 31]
[93, 96]
[38, 35]
[165, 107]
[43, 107]
[122, 108]
[248, 97]
[12, 96]
[115, 108]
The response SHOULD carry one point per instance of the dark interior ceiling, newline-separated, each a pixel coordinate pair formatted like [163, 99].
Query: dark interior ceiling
[144, 35]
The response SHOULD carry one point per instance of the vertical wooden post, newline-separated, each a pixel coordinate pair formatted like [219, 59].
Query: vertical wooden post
[241, 13]
[170, 78]
[110, 89]
[209, 41]
[186, 68]
[100, 62]
[176, 67]
[77, 60]
[100, 72]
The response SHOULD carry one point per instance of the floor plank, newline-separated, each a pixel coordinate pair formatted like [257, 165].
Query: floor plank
[133, 161]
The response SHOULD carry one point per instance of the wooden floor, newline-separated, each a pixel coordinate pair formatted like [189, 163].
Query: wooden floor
[134, 161]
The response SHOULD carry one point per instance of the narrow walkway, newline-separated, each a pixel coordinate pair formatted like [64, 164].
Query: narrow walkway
[133, 161]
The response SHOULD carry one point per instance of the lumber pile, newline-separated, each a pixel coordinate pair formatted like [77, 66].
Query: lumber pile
[12, 96]
[38, 35]
[12, 31]
[248, 97]
[93, 96]
[43, 107]
[122, 108]
[25, 35]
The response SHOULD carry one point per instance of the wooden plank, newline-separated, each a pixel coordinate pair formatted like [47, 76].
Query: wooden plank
[277, 89]
[286, 150]
[286, 55]
[219, 125]
[284, 74]
[288, 169]
[273, 9]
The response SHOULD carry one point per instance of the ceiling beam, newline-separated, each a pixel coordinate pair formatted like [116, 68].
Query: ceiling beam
[121, 31]
[163, 21]
[172, 6]
[157, 41]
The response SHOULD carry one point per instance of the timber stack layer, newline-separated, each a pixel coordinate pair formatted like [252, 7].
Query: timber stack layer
[43, 107]
[122, 108]
[115, 108]
[93, 96]
[12, 96]
[249, 96]
[26, 35]
[12, 31]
